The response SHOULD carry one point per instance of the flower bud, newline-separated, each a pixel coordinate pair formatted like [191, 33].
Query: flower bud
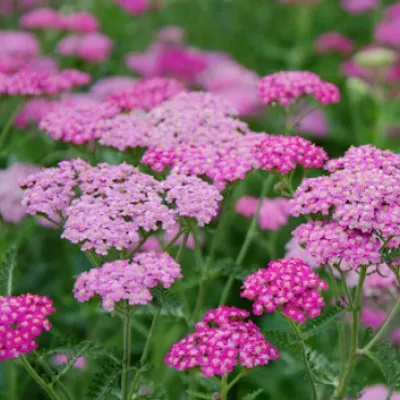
[375, 58]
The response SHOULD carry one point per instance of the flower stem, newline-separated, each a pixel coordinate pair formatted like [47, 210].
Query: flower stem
[144, 355]
[382, 329]
[237, 378]
[301, 344]
[352, 361]
[10, 121]
[126, 352]
[224, 388]
[247, 241]
[38, 379]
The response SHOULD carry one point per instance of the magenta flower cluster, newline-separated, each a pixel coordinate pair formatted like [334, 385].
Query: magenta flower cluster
[222, 340]
[288, 285]
[22, 319]
[123, 280]
[287, 87]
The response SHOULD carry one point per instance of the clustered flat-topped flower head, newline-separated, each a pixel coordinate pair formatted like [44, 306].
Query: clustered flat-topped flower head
[131, 281]
[287, 87]
[283, 154]
[147, 94]
[22, 319]
[331, 244]
[77, 124]
[48, 18]
[107, 206]
[222, 340]
[362, 192]
[32, 82]
[331, 42]
[288, 285]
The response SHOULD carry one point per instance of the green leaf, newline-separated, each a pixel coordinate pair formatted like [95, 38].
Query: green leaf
[324, 371]
[7, 269]
[387, 358]
[284, 340]
[104, 381]
[389, 254]
[328, 320]
[253, 395]
[165, 300]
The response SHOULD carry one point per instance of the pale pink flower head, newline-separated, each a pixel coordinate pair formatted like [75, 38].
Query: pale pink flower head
[63, 359]
[146, 63]
[44, 63]
[372, 317]
[350, 68]
[314, 123]
[288, 285]
[81, 21]
[171, 34]
[22, 319]
[125, 280]
[393, 12]
[244, 99]
[388, 33]
[294, 250]
[134, 7]
[247, 206]
[378, 392]
[11, 209]
[68, 45]
[333, 42]
[223, 339]
[359, 6]
[41, 18]
[109, 85]
[287, 87]
[382, 279]
[33, 111]
[284, 153]
[94, 47]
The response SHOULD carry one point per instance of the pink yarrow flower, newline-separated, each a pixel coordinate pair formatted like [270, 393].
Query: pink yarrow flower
[359, 6]
[333, 42]
[131, 281]
[288, 285]
[372, 317]
[287, 87]
[33, 111]
[221, 341]
[134, 7]
[41, 18]
[378, 392]
[64, 359]
[22, 319]
[107, 86]
[81, 21]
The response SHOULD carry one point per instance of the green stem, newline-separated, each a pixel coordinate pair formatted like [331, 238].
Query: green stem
[355, 327]
[12, 381]
[237, 378]
[10, 121]
[181, 291]
[382, 329]
[174, 239]
[126, 352]
[224, 388]
[247, 241]
[38, 379]
[91, 258]
[144, 355]
[301, 344]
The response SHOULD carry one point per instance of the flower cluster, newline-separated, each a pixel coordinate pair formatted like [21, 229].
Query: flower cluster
[284, 153]
[146, 94]
[288, 284]
[47, 18]
[286, 87]
[222, 340]
[273, 213]
[130, 281]
[22, 319]
[134, 7]
[331, 42]
[77, 124]
[192, 197]
[331, 244]
[31, 82]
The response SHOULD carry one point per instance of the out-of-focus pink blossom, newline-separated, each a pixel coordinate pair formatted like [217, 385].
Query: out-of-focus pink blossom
[388, 33]
[393, 12]
[63, 359]
[372, 317]
[44, 64]
[41, 18]
[350, 68]
[294, 250]
[110, 85]
[33, 111]
[378, 392]
[247, 206]
[171, 34]
[134, 7]
[145, 63]
[80, 22]
[359, 6]
[333, 42]
[395, 337]
[314, 123]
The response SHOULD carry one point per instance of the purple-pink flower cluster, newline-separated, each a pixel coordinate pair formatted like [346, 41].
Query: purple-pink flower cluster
[222, 340]
[129, 281]
[288, 285]
[286, 87]
[22, 319]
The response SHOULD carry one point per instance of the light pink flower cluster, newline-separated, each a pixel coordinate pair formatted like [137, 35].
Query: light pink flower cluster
[273, 214]
[130, 281]
[286, 87]
[382, 279]
[64, 359]
[359, 6]
[109, 85]
[77, 124]
[294, 250]
[18, 48]
[288, 285]
[33, 111]
[93, 47]
[372, 317]
[147, 94]
[134, 7]
[51, 191]
[222, 340]
[333, 42]
[116, 202]
[378, 392]
[284, 153]
[30, 82]
[11, 194]
[331, 244]
[48, 18]
[22, 319]
[361, 192]
[192, 197]
[314, 123]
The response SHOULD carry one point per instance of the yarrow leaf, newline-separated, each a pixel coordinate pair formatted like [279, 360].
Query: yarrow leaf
[104, 381]
[253, 395]
[324, 371]
[7, 268]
